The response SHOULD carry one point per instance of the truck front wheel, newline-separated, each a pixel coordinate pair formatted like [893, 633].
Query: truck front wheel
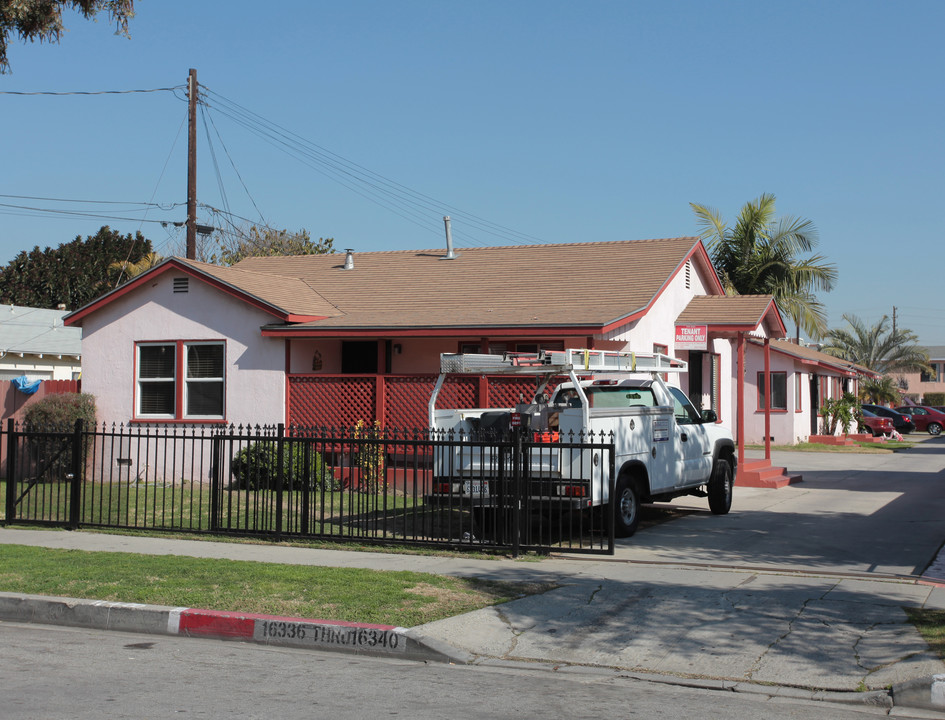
[720, 487]
[626, 508]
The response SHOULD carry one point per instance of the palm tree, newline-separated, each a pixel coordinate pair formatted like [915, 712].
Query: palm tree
[129, 269]
[877, 347]
[760, 256]
[879, 391]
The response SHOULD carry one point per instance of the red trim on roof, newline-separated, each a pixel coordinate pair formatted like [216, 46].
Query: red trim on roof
[178, 266]
[373, 332]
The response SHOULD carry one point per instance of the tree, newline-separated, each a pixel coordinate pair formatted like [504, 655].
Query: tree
[42, 19]
[879, 391]
[877, 347]
[759, 255]
[256, 242]
[125, 269]
[73, 274]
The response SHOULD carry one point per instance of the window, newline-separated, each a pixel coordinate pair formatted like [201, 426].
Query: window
[778, 391]
[683, 410]
[934, 376]
[180, 380]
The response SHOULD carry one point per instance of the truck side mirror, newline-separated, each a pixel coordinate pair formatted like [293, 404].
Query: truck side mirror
[709, 416]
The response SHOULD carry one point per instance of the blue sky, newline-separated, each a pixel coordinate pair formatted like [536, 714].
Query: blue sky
[554, 121]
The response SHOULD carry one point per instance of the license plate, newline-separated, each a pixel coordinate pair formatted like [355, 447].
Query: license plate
[478, 488]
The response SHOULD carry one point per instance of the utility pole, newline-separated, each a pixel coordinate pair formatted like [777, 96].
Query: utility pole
[192, 165]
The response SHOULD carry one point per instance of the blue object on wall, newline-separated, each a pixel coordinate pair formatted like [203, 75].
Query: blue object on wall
[25, 385]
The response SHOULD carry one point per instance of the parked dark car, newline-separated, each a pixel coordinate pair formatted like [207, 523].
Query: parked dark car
[902, 423]
[925, 418]
[876, 424]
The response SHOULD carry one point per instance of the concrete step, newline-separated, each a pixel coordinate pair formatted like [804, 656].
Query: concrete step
[762, 474]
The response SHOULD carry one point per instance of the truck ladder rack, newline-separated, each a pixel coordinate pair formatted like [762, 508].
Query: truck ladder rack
[563, 362]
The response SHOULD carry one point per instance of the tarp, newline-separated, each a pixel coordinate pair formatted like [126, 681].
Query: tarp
[25, 385]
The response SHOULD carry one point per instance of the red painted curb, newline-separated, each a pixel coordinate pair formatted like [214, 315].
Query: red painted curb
[253, 626]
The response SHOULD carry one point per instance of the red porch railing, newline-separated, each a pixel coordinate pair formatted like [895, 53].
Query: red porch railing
[396, 401]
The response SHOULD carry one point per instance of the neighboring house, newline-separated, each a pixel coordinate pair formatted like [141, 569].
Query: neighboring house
[36, 343]
[802, 378]
[917, 385]
[332, 339]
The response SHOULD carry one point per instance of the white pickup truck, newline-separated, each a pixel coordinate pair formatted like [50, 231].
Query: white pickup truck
[663, 447]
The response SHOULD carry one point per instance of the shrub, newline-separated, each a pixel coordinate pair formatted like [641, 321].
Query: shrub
[840, 412]
[256, 467]
[934, 399]
[58, 413]
[368, 456]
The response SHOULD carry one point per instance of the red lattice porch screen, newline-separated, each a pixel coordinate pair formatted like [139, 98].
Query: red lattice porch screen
[397, 401]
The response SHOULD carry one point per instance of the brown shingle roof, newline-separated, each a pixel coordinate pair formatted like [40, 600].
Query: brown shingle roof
[727, 310]
[816, 356]
[574, 284]
[289, 294]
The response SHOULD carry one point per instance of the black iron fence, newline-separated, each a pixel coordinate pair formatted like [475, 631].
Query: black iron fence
[519, 492]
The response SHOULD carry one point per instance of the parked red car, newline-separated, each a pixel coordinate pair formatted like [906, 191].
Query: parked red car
[876, 424]
[925, 418]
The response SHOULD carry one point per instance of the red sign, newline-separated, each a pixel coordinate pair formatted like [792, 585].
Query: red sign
[516, 420]
[692, 337]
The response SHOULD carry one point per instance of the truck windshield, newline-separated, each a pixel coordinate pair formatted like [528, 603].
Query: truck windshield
[612, 396]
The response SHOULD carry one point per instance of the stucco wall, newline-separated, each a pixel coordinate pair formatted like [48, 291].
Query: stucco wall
[255, 384]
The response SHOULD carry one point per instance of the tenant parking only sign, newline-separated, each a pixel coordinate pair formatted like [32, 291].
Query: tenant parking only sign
[691, 337]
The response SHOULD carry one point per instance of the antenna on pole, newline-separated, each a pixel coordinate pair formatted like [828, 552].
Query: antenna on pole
[192, 165]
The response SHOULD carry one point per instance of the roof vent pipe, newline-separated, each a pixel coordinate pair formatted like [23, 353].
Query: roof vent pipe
[450, 255]
[349, 259]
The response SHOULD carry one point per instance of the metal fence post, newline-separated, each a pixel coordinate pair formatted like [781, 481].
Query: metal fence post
[518, 494]
[280, 478]
[11, 472]
[75, 476]
[611, 481]
[216, 468]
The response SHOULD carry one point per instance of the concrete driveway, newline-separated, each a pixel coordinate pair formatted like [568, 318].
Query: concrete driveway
[802, 587]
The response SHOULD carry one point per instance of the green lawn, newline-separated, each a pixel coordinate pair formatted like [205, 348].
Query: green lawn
[931, 624]
[391, 598]
[187, 506]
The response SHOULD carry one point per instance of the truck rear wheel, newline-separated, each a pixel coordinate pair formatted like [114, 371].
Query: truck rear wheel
[626, 508]
[720, 487]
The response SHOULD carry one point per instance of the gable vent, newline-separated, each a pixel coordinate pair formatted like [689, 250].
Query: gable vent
[181, 284]
[688, 274]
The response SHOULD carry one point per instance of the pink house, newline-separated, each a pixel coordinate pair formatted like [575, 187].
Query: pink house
[333, 339]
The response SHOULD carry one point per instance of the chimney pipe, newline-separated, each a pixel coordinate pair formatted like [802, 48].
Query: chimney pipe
[450, 255]
[349, 259]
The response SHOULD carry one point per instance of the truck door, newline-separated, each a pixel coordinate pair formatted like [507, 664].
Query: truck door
[695, 450]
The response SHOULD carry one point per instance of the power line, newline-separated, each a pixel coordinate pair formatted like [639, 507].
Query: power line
[159, 206]
[367, 183]
[92, 92]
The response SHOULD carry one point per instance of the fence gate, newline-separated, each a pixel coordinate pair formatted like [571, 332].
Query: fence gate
[44, 474]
